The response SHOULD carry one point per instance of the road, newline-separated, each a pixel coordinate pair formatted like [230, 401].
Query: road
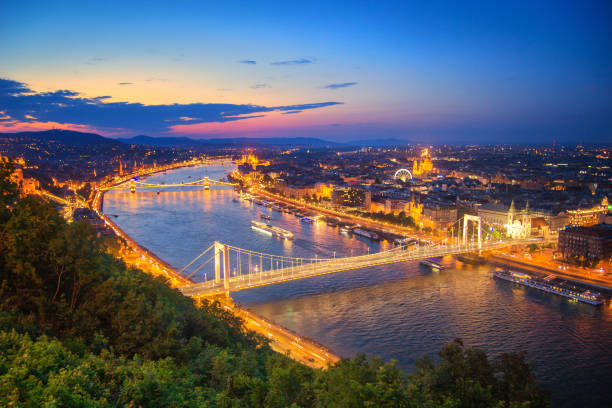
[284, 341]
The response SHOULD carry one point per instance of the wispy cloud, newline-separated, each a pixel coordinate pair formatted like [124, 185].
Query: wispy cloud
[299, 61]
[260, 86]
[291, 112]
[95, 60]
[21, 104]
[248, 62]
[125, 83]
[341, 85]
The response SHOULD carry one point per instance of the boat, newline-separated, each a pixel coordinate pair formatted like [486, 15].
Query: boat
[551, 284]
[471, 258]
[257, 202]
[306, 219]
[271, 230]
[265, 217]
[368, 234]
[431, 264]
[344, 229]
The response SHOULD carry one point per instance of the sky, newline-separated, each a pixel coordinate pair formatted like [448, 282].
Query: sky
[422, 71]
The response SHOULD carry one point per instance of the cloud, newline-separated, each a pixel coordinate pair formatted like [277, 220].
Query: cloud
[341, 85]
[95, 60]
[291, 112]
[21, 104]
[300, 61]
[259, 86]
[249, 62]
[125, 83]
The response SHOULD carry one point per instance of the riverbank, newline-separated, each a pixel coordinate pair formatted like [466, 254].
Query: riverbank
[366, 222]
[281, 339]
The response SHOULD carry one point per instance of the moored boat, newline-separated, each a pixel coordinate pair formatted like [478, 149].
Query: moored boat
[551, 284]
[431, 264]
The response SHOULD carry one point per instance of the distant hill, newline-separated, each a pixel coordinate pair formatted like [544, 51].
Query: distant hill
[379, 142]
[71, 137]
[68, 137]
[237, 141]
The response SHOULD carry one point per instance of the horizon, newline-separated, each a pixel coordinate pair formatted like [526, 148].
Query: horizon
[431, 74]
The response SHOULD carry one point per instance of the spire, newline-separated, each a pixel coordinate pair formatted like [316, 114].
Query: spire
[512, 209]
[527, 207]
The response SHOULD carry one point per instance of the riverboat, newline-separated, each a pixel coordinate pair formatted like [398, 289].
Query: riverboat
[367, 234]
[265, 217]
[431, 264]
[271, 230]
[551, 284]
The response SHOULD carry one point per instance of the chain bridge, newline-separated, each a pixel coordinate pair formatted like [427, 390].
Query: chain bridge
[134, 184]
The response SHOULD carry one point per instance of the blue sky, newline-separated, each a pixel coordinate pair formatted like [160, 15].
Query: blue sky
[423, 71]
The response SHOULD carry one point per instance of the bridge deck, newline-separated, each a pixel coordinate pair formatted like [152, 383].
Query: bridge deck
[274, 276]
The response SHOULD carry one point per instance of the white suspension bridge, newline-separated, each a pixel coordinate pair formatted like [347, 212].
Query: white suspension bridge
[236, 269]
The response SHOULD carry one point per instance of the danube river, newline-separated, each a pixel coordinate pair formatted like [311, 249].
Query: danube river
[399, 311]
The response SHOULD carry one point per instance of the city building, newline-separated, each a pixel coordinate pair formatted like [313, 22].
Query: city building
[594, 242]
[351, 197]
[588, 216]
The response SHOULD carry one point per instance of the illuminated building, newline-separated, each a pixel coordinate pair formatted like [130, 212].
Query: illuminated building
[425, 166]
[588, 216]
[352, 197]
[253, 161]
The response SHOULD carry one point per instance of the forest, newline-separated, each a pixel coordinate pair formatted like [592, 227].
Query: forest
[78, 328]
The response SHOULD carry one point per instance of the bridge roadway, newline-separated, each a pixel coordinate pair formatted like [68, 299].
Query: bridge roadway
[329, 266]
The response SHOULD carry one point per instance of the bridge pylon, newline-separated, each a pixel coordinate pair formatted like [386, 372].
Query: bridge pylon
[218, 250]
[206, 183]
[466, 219]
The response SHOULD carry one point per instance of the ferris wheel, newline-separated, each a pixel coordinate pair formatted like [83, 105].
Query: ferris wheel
[403, 175]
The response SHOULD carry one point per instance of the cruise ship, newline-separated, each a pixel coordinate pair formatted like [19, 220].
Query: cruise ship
[271, 230]
[551, 284]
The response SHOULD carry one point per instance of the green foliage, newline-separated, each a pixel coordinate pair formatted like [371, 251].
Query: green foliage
[399, 219]
[79, 328]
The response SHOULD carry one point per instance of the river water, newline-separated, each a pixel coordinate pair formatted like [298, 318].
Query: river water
[399, 311]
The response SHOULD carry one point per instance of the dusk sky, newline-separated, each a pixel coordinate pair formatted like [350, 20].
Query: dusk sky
[426, 71]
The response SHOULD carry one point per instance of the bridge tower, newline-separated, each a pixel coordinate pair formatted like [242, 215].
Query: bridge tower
[466, 220]
[206, 183]
[226, 270]
[132, 187]
[218, 250]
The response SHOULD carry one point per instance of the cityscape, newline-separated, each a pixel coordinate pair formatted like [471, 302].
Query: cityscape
[259, 212]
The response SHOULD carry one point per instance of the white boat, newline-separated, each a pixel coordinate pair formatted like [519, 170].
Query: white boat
[551, 284]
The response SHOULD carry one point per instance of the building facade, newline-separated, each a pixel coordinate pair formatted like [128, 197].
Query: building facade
[593, 242]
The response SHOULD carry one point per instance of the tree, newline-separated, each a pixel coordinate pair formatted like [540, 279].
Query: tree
[9, 191]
